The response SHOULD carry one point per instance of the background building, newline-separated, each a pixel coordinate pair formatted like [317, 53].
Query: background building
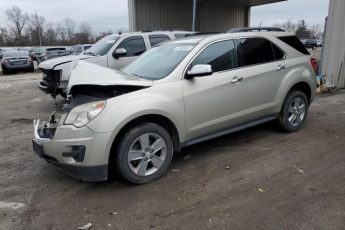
[333, 58]
[210, 15]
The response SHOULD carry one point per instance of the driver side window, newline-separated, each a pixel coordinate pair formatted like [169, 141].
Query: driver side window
[221, 56]
[134, 46]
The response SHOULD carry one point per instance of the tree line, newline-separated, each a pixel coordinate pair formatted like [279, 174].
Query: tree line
[302, 29]
[23, 29]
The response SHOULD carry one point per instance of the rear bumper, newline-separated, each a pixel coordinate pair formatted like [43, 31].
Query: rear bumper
[29, 66]
[79, 152]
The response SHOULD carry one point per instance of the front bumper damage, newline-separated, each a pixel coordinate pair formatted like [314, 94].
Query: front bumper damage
[78, 151]
[50, 83]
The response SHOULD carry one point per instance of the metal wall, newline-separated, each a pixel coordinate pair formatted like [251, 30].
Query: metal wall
[333, 59]
[220, 17]
[177, 14]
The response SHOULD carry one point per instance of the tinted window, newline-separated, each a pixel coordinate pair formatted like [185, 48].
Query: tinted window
[278, 53]
[221, 56]
[156, 39]
[134, 46]
[256, 51]
[295, 43]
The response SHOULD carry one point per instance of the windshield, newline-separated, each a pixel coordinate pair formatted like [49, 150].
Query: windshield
[16, 54]
[160, 61]
[102, 47]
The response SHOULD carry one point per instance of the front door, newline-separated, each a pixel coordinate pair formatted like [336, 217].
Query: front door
[214, 103]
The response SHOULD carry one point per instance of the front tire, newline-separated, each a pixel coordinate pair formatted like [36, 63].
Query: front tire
[144, 153]
[294, 111]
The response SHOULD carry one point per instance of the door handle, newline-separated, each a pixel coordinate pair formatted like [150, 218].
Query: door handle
[237, 80]
[281, 67]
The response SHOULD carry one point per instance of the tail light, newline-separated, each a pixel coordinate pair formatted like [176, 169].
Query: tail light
[313, 63]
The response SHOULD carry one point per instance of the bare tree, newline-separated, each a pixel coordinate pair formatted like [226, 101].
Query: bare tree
[289, 26]
[302, 31]
[3, 36]
[50, 35]
[37, 26]
[69, 26]
[18, 21]
[316, 30]
[85, 33]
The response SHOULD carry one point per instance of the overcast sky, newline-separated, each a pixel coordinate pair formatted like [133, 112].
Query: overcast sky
[106, 15]
[313, 11]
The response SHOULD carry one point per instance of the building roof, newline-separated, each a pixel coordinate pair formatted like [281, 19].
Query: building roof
[244, 2]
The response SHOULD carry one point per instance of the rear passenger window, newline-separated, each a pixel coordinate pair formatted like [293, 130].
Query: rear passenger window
[256, 51]
[134, 46]
[156, 39]
[221, 56]
[295, 43]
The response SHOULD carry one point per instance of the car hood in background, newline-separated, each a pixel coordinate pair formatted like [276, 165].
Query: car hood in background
[51, 63]
[86, 73]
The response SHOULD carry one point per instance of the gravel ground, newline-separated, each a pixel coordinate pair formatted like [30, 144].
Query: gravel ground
[255, 179]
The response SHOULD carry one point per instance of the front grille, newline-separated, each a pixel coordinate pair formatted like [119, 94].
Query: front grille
[47, 130]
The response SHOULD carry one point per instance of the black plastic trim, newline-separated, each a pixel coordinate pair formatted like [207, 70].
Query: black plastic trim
[229, 130]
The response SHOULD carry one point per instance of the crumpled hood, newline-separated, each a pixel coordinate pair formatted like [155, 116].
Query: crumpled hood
[51, 63]
[86, 73]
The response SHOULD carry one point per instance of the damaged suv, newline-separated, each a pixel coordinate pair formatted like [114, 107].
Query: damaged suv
[113, 51]
[177, 94]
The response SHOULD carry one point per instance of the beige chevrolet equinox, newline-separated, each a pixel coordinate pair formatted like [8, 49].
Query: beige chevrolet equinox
[175, 95]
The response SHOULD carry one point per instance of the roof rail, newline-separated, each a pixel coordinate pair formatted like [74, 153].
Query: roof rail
[201, 33]
[256, 29]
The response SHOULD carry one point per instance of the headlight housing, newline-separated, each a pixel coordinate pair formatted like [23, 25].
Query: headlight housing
[83, 114]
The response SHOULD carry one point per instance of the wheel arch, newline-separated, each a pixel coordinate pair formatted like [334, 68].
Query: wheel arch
[303, 87]
[158, 119]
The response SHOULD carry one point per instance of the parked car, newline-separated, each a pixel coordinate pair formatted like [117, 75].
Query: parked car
[113, 51]
[4, 50]
[52, 52]
[13, 61]
[78, 49]
[311, 43]
[319, 43]
[175, 95]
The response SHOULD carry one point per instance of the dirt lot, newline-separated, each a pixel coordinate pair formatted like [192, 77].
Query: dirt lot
[255, 179]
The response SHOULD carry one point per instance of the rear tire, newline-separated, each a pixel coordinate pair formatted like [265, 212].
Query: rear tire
[4, 71]
[144, 153]
[294, 111]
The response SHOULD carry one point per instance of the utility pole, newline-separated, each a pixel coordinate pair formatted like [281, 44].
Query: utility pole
[194, 15]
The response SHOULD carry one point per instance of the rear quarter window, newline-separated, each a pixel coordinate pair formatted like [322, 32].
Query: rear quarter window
[295, 43]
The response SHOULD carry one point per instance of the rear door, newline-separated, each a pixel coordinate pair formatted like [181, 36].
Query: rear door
[214, 103]
[264, 67]
[134, 46]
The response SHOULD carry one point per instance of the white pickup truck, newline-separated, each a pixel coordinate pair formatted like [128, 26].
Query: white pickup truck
[113, 51]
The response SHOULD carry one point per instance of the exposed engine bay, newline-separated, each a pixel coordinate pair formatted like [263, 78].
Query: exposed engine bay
[82, 94]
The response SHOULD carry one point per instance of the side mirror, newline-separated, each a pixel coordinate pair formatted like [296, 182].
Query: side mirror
[199, 71]
[120, 52]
